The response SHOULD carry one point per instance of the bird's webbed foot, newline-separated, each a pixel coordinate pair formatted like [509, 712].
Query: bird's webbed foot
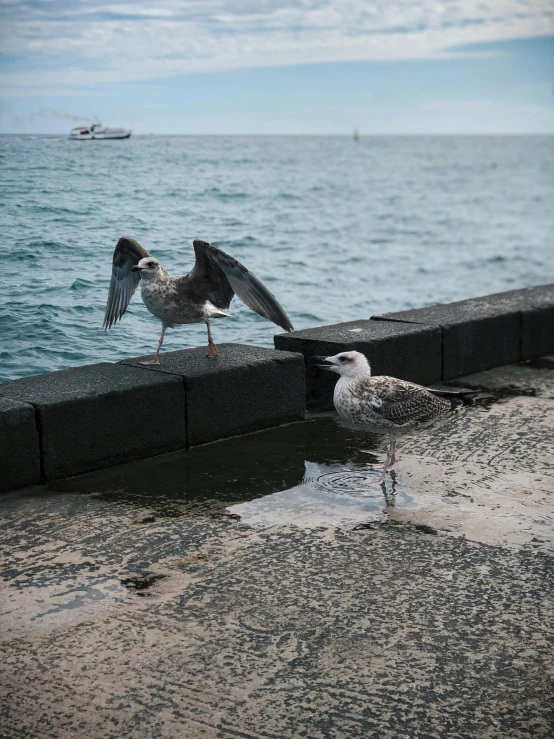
[151, 362]
[212, 351]
[380, 468]
[377, 480]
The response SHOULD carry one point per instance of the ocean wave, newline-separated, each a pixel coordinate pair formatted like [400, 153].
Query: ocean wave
[81, 284]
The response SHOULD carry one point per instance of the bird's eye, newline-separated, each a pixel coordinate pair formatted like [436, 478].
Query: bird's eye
[151, 264]
[342, 359]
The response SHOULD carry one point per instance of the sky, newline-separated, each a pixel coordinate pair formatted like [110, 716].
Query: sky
[278, 66]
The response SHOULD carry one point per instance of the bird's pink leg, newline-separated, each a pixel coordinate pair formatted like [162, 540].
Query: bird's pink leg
[393, 457]
[389, 462]
[212, 348]
[156, 359]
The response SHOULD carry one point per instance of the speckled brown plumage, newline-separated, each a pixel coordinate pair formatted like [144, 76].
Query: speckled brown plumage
[386, 404]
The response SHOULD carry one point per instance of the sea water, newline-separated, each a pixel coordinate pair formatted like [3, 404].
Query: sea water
[337, 229]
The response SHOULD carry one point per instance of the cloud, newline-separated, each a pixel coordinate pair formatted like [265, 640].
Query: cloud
[71, 42]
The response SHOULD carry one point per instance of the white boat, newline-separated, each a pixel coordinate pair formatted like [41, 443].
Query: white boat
[98, 131]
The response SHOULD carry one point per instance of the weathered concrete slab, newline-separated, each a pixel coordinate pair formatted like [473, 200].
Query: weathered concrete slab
[323, 633]
[101, 415]
[19, 445]
[476, 334]
[138, 603]
[499, 508]
[517, 379]
[513, 433]
[402, 350]
[247, 388]
[489, 476]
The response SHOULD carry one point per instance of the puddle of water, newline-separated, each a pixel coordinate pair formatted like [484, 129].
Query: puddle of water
[308, 474]
[316, 474]
[330, 495]
[315, 456]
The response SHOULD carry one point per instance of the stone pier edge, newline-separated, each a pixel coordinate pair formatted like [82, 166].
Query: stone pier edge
[88, 418]
[437, 343]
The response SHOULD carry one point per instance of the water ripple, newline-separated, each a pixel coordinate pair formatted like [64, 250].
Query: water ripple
[353, 483]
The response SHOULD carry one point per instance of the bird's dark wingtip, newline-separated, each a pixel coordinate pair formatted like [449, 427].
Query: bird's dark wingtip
[468, 398]
[109, 322]
[285, 323]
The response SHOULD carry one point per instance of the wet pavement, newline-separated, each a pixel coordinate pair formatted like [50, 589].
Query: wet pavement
[260, 587]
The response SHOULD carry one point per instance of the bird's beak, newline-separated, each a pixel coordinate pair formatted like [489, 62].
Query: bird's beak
[323, 362]
[136, 268]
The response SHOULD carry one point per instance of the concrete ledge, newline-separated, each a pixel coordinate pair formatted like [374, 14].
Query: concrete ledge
[536, 306]
[405, 350]
[476, 334]
[248, 388]
[490, 331]
[19, 445]
[102, 415]
[98, 416]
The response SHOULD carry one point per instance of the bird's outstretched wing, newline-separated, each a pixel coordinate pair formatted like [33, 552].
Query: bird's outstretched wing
[220, 276]
[123, 284]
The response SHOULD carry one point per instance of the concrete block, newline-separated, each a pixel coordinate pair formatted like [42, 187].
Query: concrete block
[536, 309]
[19, 445]
[537, 320]
[102, 415]
[246, 389]
[403, 350]
[476, 334]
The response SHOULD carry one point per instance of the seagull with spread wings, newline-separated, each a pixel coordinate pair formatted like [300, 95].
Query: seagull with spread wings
[205, 293]
[387, 405]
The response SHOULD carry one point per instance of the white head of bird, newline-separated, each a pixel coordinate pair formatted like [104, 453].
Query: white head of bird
[149, 268]
[346, 364]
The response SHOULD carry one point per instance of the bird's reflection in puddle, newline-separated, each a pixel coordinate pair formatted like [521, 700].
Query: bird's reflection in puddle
[308, 474]
[329, 495]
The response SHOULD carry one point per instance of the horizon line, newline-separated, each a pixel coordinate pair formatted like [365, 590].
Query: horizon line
[328, 135]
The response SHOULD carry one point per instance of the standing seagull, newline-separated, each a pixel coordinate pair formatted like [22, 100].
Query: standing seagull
[385, 404]
[205, 293]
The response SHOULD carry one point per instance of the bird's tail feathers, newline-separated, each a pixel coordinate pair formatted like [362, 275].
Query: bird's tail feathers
[210, 311]
[468, 397]
[458, 398]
